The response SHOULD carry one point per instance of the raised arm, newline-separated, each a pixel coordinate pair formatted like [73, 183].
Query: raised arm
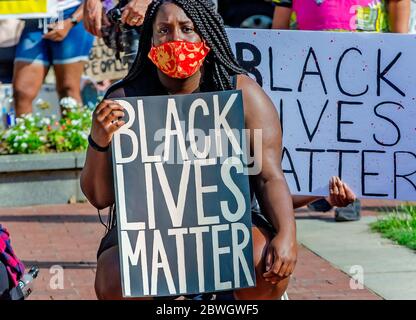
[399, 15]
[282, 14]
[97, 175]
[93, 14]
[270, 185]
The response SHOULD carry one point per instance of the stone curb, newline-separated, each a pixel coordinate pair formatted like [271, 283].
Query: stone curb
[42, 162]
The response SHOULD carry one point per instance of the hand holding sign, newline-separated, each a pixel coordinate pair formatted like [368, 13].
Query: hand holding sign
[106, 121]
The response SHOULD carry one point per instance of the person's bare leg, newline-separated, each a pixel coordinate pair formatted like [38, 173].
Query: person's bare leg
[264, 290]
[68, 79]
[108, 277]
[27, 81]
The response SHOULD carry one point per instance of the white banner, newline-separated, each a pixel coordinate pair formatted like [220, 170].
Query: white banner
[347, 103]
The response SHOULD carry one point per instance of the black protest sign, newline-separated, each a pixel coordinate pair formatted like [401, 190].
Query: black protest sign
[182, 195]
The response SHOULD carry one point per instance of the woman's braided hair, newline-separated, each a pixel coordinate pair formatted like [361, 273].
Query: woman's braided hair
[220, 63]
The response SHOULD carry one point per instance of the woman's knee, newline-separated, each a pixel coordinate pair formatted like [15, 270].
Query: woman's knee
[106, 290]
[69, 89]
[27, 80]
[24, 90]
[68, 79]
[107, 278]
[263, 290]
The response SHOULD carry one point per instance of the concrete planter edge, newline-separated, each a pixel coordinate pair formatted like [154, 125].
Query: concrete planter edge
[39, 179]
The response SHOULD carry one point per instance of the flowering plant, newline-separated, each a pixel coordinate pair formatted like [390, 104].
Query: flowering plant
[36, 134]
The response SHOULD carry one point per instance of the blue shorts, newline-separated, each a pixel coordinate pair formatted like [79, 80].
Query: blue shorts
[33, 48]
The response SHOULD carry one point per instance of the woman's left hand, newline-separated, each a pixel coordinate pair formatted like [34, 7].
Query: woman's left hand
[59, 30]
[281, 258]
[340, 194]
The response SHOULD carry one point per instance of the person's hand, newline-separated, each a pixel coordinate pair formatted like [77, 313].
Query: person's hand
[134, 12]
[340, 195]
[105, 122]
[93, 15]
[59, 30]
[281, 258]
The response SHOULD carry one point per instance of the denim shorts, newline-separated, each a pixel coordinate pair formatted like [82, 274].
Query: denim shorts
[32, 48]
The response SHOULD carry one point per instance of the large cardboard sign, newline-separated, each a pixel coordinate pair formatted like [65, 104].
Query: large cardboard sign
[102, 63]
[182, 195]
[347, 103]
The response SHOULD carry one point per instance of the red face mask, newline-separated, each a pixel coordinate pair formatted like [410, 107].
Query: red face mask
[179, 59]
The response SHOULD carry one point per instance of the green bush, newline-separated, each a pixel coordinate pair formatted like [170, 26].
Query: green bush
[36, 134]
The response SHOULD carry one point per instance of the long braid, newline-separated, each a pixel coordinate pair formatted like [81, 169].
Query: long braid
[220, 63]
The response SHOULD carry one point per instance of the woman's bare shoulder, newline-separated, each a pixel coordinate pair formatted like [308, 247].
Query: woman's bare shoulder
[244, 82]
[254, 96]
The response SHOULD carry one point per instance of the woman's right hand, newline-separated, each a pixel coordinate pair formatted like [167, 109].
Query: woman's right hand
[105, 122]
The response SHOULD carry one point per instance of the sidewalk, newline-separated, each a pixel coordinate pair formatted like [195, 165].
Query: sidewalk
[388, 269]
[69, 235]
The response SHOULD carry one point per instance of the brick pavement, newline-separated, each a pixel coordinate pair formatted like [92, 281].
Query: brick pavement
[69, 235]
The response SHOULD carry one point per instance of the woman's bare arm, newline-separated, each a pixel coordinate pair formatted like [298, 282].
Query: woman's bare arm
[270, 185]
[399, 15]
[97, 179]
[281, 18]
[97, 174]
[301, 201]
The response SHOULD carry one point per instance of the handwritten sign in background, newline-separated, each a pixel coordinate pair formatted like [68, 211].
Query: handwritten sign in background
[103, 64]
[347, 104]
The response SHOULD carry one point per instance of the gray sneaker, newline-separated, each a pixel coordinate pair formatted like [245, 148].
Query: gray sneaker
[352, 212]
[320, 205]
